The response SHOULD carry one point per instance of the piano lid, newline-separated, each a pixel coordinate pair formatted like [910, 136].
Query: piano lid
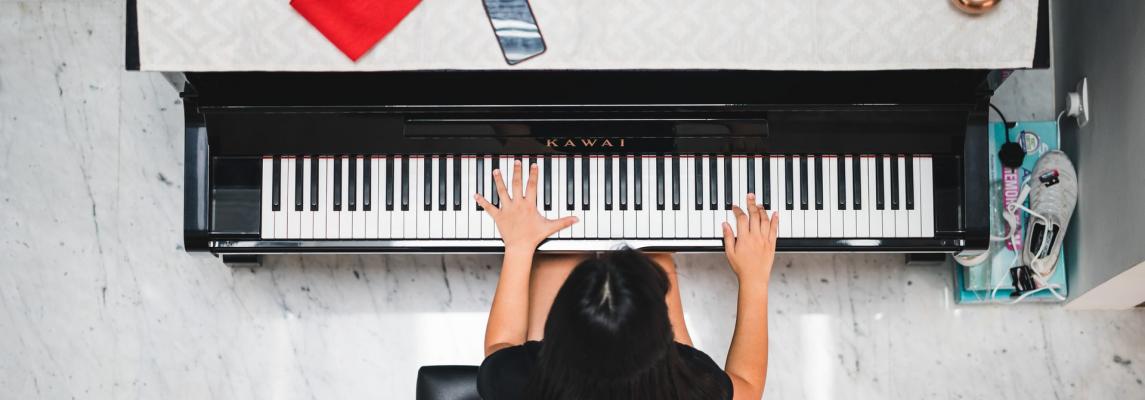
[168, 35]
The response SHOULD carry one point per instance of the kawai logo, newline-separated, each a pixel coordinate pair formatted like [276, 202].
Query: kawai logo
[584, 142]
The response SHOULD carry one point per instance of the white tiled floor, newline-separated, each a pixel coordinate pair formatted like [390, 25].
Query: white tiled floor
[98, 299]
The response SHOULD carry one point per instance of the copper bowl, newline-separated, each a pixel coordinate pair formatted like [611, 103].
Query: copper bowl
[975, 7]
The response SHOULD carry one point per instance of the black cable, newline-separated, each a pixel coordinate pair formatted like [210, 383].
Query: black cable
[1011, 154]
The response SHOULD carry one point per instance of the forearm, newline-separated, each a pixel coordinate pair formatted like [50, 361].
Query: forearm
[747, 357]
[509, 315]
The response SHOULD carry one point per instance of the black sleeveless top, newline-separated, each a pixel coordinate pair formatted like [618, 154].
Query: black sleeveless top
[504, 374]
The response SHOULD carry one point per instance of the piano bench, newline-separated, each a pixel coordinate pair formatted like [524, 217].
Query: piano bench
[447, 382]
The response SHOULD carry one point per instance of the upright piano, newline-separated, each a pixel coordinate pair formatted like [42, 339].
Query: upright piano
[379, 162]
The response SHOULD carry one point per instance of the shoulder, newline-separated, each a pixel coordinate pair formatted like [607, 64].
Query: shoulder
[507, 370]
[702, 363]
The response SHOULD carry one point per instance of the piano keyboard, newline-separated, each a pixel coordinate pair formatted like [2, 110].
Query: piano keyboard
[615, 197]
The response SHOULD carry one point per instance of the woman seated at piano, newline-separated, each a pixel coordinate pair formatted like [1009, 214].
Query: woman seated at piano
[609, 325]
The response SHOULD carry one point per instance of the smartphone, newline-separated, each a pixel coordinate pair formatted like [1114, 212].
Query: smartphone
[516, 29]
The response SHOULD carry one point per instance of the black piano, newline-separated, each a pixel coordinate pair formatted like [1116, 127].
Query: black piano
[887, 161]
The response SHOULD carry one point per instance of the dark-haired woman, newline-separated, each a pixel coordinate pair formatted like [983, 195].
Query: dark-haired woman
[609, 325]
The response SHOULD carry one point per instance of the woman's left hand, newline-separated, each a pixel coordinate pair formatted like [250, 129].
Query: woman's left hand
[520, 224]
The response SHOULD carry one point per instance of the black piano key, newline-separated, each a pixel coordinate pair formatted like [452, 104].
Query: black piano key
[660, 183]
[675, 182]
[442, 183]
[638, 190]
[623, 174]
[298, 201]
[367, 173]
[427, 183]
[586, 182]
[570, 183]
[607, 183]
[789, 182]
[857, 182]
[766, 182]
[480, 180]
[276, 184]
[841, 181]
[457, 183]
[548, 183]
[803, 183]
[728, 183]
[494, 197]
[337, 161]
[879, 182]
[698, 172]
[713, 184]
[818, 182]
[750, 175]
[314, 183]
[352, 182]
[909, 182]
[894, 182]
[389, 183]
[406, 176]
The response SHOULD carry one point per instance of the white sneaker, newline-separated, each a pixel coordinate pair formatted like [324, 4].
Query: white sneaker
[1053, 195]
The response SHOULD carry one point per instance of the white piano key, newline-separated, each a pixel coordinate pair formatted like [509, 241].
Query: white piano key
[293, 216]
[322, 216]
[436, 223]
[421, 216]
[398, 218]
[832, 204]
[382, 216]
[282, 217]
[643, 216]
[370, 217]
[267, 226]
[779, 200]
[603, 222]
[488, 227]
[798, 218]
[468, 210]
[888, 214]
[616, 216]
[630, 227]
[721, 214]
[849, 218]
[359, 214]
[707, 216]
[449, 217]
[914, 216]
[559, 194]
[824, 214]
[902, 225]
[306, 230]
[811, 215]
[738, 198]
[695, 219]
[875, 216]
[409, 215]
[540, 194]
[655, 215]
[775, 182]
[927, 199]
[345, 217]
[578, 193]
[681, 214]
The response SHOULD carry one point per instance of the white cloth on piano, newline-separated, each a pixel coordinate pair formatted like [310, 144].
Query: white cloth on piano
[222, 35]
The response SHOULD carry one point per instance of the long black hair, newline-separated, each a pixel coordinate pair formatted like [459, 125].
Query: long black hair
[608, 336]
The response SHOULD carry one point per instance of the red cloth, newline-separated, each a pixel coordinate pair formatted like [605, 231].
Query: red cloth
[354, 26]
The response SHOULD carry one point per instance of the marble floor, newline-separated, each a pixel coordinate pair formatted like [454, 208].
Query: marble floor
[99, 300]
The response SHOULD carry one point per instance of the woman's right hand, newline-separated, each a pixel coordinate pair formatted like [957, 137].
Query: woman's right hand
[751, 250]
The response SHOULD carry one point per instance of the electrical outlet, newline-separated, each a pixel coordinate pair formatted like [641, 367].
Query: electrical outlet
[1077, 103]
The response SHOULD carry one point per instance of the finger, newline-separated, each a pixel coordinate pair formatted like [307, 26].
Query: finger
[729, 240]
[742, 226]
[774, 227]
[531, 190]
[557, 225]
[499, 182]
[753, 212]
[489, 208]
[518, 181]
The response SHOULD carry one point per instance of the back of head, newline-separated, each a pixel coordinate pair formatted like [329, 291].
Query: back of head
[608, 336]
